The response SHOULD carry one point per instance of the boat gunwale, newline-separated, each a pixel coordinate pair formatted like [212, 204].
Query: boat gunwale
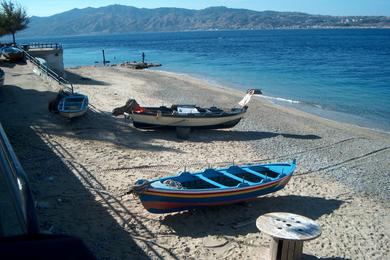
[167, 192]
[83, 105]
[193, 115]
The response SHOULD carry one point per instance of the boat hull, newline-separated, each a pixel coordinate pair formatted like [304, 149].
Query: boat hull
[153, 121]
[158, 201]
[12, 53]
[14, 56]
[71, 115]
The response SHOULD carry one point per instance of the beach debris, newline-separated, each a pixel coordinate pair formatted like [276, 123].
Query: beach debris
[212, 242]
[128, 108]
[288, 232]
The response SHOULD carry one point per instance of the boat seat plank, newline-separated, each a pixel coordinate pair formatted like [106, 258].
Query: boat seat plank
[257, 174]
[232, 176]
[200, 176]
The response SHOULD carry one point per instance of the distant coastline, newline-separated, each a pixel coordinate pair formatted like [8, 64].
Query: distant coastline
[121, 19]
[24, 37]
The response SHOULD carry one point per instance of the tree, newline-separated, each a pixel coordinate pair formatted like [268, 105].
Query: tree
[2, 25]
[12, 19]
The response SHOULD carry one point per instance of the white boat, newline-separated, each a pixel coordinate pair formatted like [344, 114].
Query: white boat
[73, 105]
[212, 118]
[186, 116]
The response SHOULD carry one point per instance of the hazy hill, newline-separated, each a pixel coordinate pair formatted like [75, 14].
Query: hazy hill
[123, 19]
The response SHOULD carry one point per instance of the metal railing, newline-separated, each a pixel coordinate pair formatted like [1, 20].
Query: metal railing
[18, 186]
[49, 72]
[37, 45]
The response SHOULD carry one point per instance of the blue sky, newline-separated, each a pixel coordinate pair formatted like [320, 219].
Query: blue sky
[329, 7]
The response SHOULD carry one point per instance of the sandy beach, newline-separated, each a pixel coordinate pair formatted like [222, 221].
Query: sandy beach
[79, 170]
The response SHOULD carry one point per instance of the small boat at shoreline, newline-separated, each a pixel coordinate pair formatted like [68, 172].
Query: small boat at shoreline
[69, 105]
[73, 105]
[183, 116]
[212, 187]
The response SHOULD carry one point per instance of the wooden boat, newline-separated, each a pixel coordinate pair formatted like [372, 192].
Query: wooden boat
[13, 53]
[212, 187]
[189, 116]
[73, 105]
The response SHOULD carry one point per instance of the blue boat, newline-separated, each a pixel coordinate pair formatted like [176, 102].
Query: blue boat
[212, 187]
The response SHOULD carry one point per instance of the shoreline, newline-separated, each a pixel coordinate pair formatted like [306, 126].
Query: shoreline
[302, 106]
[78, 170]
[268, 99]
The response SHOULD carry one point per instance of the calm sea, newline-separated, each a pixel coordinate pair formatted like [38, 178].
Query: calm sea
[339, 74]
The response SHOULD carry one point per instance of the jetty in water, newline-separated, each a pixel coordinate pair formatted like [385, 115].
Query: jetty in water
[139, 65]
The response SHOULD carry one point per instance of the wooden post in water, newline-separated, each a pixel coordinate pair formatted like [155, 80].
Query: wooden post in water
[104, 58]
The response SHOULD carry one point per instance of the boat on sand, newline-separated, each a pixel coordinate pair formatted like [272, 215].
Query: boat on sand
[183, 116]
[12, 53]
[69, 105]
[212, 187]
[73, 105]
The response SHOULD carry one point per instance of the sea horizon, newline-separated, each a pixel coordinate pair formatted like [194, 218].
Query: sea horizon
[339, 74]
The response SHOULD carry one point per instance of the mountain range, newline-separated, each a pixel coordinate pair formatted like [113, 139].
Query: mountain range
[115, 19]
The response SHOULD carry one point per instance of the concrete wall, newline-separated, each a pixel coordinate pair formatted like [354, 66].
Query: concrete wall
[53, 57]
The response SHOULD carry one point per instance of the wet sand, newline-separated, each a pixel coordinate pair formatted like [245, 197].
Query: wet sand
[79, 169]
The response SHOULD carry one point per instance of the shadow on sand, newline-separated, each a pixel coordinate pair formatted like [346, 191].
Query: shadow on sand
[95, 125]
[70, 199]
[10, 64]
[77, 79]
[233, 135]
[215, 135]
[220, 221]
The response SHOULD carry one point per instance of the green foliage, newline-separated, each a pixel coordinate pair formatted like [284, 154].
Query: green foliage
[2, 25]
[13, 18]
